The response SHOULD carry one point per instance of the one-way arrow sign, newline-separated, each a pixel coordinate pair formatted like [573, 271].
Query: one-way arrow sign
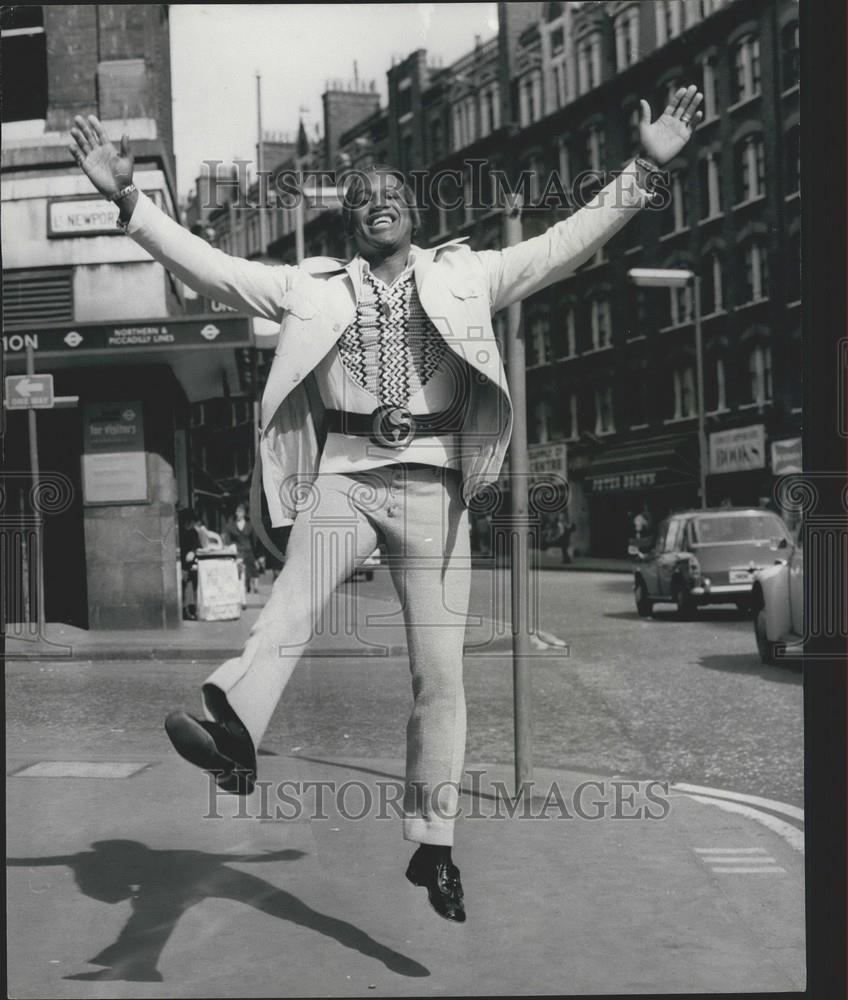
[25, 392]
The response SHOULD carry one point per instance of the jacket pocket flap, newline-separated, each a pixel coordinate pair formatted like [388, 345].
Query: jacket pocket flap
[466, 290]
[297, 303]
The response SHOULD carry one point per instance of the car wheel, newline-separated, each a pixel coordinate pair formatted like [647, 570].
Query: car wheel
[369, 575]
[744, 606]
[643, 602]
[683, 601]
[765, 646]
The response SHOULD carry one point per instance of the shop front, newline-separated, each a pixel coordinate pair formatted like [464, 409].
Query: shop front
[117, 452]
[630, 487]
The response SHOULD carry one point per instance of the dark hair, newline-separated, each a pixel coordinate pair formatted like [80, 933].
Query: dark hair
[358, 191]
[187, 516]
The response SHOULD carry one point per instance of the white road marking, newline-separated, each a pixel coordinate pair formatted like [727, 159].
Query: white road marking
[755, 800]
[791, 834]
[722, 870]
[729, 850]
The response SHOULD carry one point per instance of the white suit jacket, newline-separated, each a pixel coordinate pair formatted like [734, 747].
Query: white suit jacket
[459, 289]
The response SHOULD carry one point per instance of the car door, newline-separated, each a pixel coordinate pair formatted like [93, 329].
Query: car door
[670, 555]
[649, 568]
[796, 586]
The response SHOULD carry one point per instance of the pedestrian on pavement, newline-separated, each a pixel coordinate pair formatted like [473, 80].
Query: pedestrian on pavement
[385, 411]
[566, 530]
[189, 544]
[239, 531]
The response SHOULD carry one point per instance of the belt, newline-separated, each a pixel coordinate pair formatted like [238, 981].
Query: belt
[394, 426]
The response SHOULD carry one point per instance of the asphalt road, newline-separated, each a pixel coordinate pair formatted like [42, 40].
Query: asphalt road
[656, 698]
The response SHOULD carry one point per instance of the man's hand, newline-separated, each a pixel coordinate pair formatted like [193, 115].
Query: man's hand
[663, 139]
[108, 169]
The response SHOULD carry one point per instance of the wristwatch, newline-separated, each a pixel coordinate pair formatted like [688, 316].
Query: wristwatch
[117, 198]
[648, 170]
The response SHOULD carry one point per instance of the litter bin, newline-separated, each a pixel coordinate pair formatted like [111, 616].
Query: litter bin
[219, 588]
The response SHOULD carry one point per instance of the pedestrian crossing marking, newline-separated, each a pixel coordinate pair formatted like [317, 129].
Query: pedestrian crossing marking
[739, 860]
[81, 769]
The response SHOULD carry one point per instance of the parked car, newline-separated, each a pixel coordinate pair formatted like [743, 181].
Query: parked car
[778, 603]
[707, 557]
[366, 568]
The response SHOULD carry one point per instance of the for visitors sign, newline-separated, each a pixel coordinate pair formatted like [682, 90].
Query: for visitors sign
[114, 462]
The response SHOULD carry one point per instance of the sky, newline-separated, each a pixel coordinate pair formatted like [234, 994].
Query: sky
[217, 49]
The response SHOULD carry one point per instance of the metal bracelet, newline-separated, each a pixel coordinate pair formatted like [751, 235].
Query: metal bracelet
[118, 196]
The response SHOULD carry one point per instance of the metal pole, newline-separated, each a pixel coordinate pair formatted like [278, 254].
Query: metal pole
[34, 469]
[299, 241]
[260, 167]
[699, 367]
[519, 535]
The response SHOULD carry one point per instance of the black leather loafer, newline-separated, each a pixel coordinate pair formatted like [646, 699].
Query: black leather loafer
[443, 885]
[222, 748]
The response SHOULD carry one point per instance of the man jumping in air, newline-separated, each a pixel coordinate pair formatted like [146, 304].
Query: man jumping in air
[386, 409]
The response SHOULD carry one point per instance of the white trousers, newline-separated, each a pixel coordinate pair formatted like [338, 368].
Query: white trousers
[418, 512]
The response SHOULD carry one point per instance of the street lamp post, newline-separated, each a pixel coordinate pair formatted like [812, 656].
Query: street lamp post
[658, 277]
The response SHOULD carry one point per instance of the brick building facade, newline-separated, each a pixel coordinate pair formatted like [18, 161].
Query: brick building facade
[611, 370]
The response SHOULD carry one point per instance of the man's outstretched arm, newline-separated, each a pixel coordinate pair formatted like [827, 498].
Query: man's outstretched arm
[250, 286]
[519, 271]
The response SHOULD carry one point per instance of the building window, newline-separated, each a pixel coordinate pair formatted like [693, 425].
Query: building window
[681, 305]
[792, 160]
[634, 117]
[569, 338]
[601, 324]
[564, 164]
[746, 69]
[589, 63]
[436, 139]
[572, 427]
[712, 284]
[715, 386]
[669, 20]
[685, 397]
[467, 203]
[709, 88]
[24, 60]
[488, 109]
[755, 271]
[793, 267]
[709, 187]
[750, 169]
[627, 38]
[595, 148]
[677, 219]
[404, 97]
[542, 423]
[759, 374]
[604, 419]
[790, 56]
[557, 41]
[558, 85]
[540, 342]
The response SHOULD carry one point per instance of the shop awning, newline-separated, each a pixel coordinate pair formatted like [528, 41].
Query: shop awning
[641, 465]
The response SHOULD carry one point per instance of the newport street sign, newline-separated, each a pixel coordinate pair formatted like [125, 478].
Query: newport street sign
[29, 392]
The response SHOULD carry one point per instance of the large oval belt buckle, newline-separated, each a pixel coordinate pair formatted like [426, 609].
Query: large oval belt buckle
[392, 426]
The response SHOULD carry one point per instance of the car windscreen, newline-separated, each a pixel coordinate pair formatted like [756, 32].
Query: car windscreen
[762, 527]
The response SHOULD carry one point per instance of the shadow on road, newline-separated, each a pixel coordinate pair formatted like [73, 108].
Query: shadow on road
[162, 885]
[745, 663]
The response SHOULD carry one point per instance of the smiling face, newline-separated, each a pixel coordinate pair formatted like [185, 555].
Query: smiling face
[378, 215]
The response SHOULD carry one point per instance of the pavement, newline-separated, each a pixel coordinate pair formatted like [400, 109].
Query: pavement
[128, 875]
[218, 640]
[141, 875]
